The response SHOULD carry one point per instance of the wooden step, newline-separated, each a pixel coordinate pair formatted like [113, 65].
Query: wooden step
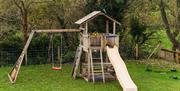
[85, 64]
[106, 73]
[97, 71]
[96, 58]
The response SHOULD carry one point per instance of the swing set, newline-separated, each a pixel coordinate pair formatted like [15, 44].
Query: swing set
[15, 70]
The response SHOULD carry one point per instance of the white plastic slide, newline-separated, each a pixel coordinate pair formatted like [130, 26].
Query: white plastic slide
[120, 69]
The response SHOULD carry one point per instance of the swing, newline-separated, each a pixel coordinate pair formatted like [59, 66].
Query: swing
[56, 65]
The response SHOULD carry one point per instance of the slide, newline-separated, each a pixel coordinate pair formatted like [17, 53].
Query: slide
[120, 69]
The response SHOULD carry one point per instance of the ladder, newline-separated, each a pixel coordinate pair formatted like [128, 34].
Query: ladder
[94, 69]
[76, 61]
[15, 70]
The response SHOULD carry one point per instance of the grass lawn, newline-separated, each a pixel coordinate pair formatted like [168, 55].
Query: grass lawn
[42, 78]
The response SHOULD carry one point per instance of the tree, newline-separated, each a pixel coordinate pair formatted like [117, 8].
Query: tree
[114, 8]
[24, 7]
[172, 34]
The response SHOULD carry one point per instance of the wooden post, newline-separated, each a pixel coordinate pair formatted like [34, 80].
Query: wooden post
[137, 51]
[107, 26]
[89, 64]
[86, 29]
[177, 56]
[114, 27]
[58, 57]
[1, 59]
[26, 58]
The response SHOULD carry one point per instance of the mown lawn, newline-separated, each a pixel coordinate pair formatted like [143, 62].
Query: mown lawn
[42, 78]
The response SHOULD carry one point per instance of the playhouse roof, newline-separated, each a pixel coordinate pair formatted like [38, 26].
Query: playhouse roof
[93, 15]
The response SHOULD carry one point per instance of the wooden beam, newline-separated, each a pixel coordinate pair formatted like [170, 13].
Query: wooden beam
[114, 27]
[111, 19]
[56, 30]
[107, 26]
[167, 50]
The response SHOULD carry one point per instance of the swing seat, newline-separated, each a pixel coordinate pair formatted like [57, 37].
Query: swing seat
[56, 68]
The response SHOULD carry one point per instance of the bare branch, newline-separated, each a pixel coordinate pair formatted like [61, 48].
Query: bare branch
[16, 3]
[6, 19]
[171, 11]
[23, 5]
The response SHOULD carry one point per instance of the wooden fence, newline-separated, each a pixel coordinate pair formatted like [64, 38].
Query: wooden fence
[170, 55]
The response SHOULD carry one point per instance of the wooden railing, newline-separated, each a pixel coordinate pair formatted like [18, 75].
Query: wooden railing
[170, 55]
[100, 41]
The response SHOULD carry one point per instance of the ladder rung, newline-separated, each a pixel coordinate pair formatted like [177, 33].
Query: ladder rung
[97, 71]
[101, 73]
[97, 68]
[85, 64]
[96, 58]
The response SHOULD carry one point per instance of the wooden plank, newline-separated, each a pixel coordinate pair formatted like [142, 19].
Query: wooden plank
[87, 17]
[56, 30]
[170, 51]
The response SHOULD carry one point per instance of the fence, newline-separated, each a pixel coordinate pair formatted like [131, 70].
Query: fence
[170, 55]
[35, 55]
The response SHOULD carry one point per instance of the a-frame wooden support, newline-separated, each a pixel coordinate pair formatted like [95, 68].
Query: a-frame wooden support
[14, 72]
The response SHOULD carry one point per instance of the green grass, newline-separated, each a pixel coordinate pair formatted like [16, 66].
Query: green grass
[42, 78]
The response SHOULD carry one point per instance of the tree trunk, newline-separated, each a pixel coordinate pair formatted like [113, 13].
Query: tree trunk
[24, 26]
[171, 35]
[178, 16]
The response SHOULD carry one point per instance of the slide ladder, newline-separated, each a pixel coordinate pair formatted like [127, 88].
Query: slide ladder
[120, 69]
[76, 61]
[96, 69]
[14, 72]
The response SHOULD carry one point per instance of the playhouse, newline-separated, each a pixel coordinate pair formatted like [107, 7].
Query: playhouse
[97, 57]
[95, 65]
